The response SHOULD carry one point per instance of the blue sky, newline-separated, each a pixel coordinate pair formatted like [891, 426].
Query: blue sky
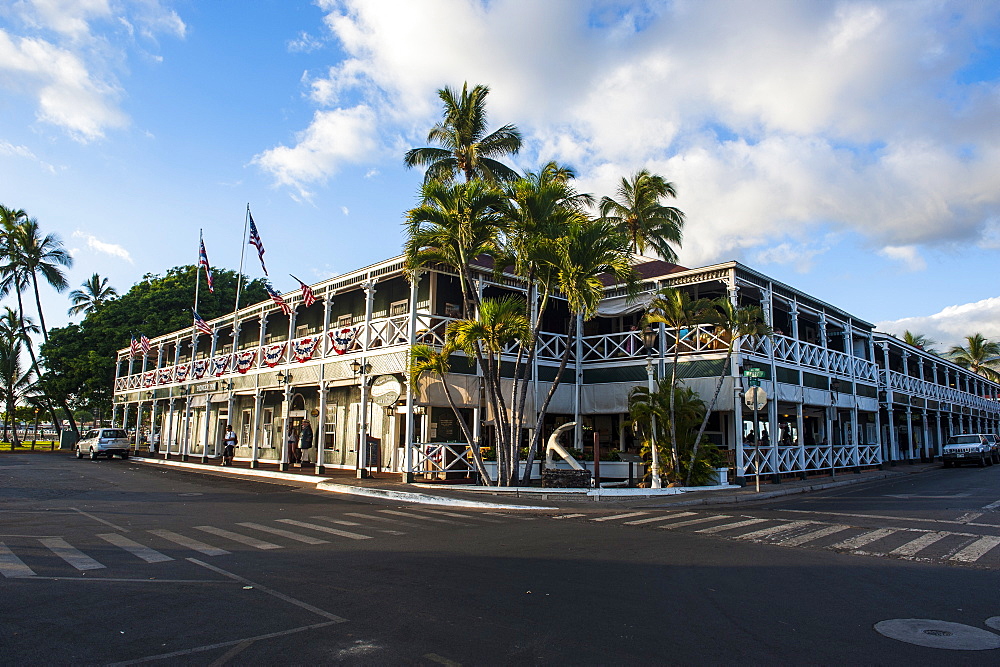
[846, 148]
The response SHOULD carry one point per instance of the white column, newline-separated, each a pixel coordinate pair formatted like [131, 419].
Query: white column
[406, 469]
[319, 439]
[362, 470]
[258, 416]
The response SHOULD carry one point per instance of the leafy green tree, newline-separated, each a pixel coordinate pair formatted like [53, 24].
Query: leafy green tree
[979, 355]
[639, 212]
[15, 382]
[682, 405]
[95, 293]
[81, 358]
[465, 145]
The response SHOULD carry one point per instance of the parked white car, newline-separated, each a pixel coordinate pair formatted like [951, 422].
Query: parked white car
[103, 442]
[978, 448]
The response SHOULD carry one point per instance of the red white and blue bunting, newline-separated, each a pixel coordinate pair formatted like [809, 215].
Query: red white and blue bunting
[149, 378]
[305, 348]
[273, 354]
[166, 375]
[220, 365]
[181, 372]
[244, 360]
[199, 368]
[341, 339]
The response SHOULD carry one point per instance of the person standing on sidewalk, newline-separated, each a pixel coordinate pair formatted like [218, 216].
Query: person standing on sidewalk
[305, 442]
[228, 446]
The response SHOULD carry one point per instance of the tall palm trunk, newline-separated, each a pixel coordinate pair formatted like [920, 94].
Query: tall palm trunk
[674, 457]
[708, 411]
[34, 359]
[477, 456]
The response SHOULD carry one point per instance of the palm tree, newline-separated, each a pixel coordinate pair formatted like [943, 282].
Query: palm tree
[37, 254]
[95, 293]
[15, 382]
[640, 213]
[979, 355]
[647, 408]
[424, 360]
[733, 323]
[500, 323]
[919, 340]
[465, 146]
[676, 310]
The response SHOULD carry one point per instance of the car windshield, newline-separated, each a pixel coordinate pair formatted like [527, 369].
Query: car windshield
[963, 440]
[113, 433]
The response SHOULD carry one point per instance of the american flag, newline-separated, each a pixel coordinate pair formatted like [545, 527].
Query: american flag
[308, 298]
[203, 261]
[275, 297]
[133, 348]
[201, 325]
[144, 344]
[256, 242]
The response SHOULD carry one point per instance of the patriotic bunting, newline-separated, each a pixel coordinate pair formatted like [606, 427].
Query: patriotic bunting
[276, 298]
[341, 339]
[220, 365]
[166, 375]
[273, 354]
[149, 378]
[305, 348]
[256, 242]
[308, 298]
[244, 360]
[181, 372]
[203, 262]
[199, 368]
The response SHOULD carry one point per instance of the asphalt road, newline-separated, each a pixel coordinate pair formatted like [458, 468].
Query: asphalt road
[113, 562]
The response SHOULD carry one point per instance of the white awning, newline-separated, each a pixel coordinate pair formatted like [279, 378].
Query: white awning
[622, 305]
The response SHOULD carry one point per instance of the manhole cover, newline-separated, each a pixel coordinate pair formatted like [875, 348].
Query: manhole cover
[938, 634]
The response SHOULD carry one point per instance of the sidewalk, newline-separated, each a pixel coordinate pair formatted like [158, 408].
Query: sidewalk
[389, 486]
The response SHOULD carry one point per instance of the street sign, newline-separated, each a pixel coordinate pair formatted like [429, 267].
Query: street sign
[753, 382]
[756, 398]
[753, 372]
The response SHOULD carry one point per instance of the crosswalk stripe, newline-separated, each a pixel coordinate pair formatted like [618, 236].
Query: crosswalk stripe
[134, 548]
[568, 516]
[11, 566]
[976, 550]
[411, 515]
[341, 522]
[70, 554]
[236, 537]
[326, 529]
[518, 517]
[861, 540]
[691, 522]
[665, 517]
[812, 535]
[306, 539]
[385, 519]
[619, 516]
[767, 532]
[189, 542]
[461, 516]
[918, 544]
[730, 526]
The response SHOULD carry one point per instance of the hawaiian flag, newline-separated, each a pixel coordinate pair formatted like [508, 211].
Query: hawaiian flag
[144, 344]
[276, 298]
[133, 348]
[308, 298]
[201, 325]
[203, 261]
[256, 242]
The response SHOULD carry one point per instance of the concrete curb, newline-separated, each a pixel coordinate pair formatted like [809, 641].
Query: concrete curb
[222, 470]
[424, 498]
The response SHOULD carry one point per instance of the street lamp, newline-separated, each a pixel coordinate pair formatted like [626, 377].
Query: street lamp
[649, 342]
[362, 371]
[284, 377]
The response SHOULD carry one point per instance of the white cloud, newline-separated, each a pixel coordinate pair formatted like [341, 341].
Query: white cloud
[950, 326]
[96, 245]
[775, 118]
[332, 139]
[304, 43]
[908, 256]
[346, 211]
[7, 148]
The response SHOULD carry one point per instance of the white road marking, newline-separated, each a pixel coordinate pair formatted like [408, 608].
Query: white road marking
[691, 522]
[639, 522]
[11, 566]
[568, 516]
[411, 515]
[307, 539]
[341, 522]
[976, 550]
[134, 548]
[950, 522]
[70, 554]
[730, 526]
[385, 519]
[99, 520]
[861, 540]
[969, 516]
[326, 529]
[767, 532]
[992, 506]
[236, 537]
[919, 544]
[461, 516]
[189, 542]
[620, 516]
[812, 535]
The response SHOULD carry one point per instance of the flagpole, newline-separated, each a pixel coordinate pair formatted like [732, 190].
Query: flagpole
[243, 249]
